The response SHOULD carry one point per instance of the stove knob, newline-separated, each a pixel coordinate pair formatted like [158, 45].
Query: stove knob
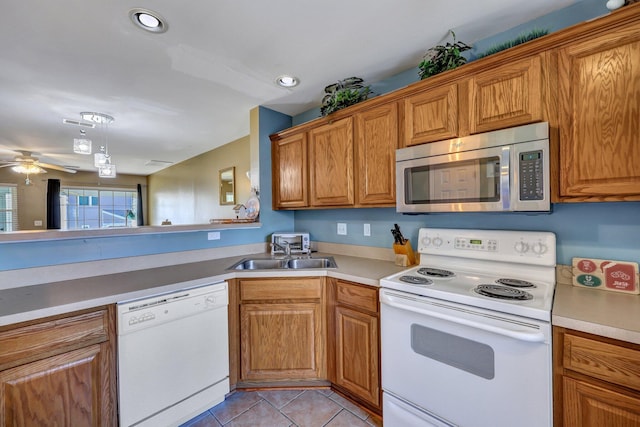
[437, 242]
[521, 247]
[426, 241]
[539, 248]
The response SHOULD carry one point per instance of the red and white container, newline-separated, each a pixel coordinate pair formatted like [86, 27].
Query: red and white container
[608, 275]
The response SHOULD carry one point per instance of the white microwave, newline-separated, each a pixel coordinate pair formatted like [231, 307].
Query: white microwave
[499, 171]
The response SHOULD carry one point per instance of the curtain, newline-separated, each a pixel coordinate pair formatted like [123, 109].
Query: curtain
[53, 204]
[139, 208]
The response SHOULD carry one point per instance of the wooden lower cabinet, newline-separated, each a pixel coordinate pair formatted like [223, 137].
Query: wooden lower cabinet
[354, 352]
[282, 329]
[596, 381]
[281, 341]
[589, 405]
[59, 371]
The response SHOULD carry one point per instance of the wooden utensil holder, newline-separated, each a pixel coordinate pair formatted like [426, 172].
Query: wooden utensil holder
[404, 254]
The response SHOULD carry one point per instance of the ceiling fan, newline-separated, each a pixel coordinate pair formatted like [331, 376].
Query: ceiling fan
[27, 163]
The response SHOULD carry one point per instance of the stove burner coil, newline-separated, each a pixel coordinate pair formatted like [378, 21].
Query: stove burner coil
[516, 283]
[415, 280]
[435, 272]
[503, 292]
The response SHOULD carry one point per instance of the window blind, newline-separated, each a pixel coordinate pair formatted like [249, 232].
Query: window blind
[8, 207]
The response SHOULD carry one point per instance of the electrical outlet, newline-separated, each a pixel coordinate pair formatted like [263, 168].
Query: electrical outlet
[342, 228]
[37, 223]
[213, 235]
[367, 229]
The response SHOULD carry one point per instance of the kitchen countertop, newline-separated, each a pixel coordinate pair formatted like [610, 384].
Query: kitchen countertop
[36, 301]
[609, 314]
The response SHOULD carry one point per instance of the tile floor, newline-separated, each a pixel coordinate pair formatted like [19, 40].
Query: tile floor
[286, 408]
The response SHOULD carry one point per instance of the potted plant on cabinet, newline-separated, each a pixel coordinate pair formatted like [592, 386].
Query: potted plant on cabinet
[344, 93]
[442, 58]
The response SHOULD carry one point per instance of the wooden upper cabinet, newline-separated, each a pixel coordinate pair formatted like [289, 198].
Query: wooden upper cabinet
[377, 141]
[599, 81]
[331, 164]
[505, 96]
[290, 166]
[431, 115]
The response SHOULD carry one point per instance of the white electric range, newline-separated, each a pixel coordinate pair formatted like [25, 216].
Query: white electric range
[469, 328]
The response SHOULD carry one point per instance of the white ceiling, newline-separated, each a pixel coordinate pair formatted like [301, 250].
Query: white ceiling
[184, 92]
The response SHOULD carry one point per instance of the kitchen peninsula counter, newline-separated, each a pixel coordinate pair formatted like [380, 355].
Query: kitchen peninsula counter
[607, 314]
[47, 299]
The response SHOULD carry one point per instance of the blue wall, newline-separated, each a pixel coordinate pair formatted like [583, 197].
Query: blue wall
[596, 230]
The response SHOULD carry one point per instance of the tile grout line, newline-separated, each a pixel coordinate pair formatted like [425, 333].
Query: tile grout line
[279, 411]
[231, 419]
[337, 413]
[289, 419]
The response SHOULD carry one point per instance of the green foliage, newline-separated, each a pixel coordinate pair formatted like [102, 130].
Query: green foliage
[521, 38]
[343, 94]
[442, 58]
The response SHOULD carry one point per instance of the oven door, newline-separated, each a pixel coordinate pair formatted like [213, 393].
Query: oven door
[464, 366]
[476, 180]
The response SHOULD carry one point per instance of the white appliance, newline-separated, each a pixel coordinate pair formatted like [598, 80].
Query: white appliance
[173, 355]
[466, 335]
[295, 243]
[505, 170]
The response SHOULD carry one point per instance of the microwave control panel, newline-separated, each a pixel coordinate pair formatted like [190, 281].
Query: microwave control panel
[530, 169]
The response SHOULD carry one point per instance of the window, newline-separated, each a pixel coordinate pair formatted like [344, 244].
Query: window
[8, 207]
[86, 208]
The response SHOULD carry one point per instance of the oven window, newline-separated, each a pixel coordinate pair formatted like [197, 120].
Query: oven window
[476, 180]
[462, 353]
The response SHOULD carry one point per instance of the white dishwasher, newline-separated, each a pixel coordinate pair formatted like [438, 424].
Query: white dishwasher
[173, 355]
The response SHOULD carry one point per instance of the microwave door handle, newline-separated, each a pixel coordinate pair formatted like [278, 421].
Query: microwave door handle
[422, 307]
[505, 178]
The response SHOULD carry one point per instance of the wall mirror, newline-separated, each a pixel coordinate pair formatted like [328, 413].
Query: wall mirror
[227, 188]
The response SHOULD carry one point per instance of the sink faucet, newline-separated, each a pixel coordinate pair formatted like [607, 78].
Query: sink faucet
[285, 246]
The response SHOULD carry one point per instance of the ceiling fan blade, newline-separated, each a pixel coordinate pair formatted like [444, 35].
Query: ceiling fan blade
[6, 165]
[55, 167]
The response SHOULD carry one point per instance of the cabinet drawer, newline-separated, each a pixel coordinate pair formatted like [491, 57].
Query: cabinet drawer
[37, 341]
[608, 362]
[362, 297]
[281, 289]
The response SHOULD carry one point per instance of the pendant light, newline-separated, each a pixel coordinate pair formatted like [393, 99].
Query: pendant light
[82, 145]
[102, 159]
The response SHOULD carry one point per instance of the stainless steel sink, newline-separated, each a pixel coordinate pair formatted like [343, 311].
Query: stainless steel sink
[327, 262]
[259, 264]
[283, 263]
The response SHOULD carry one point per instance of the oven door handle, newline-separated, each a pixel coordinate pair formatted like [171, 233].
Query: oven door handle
[420, 306]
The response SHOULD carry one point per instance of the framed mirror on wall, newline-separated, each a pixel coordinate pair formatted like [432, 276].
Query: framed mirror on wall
[227, 187]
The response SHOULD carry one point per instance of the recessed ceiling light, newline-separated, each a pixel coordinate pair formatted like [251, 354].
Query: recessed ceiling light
[286, 80]
[148, 20]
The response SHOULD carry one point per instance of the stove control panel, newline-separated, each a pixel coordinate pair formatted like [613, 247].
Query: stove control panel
[530, 247]
[476, 244]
